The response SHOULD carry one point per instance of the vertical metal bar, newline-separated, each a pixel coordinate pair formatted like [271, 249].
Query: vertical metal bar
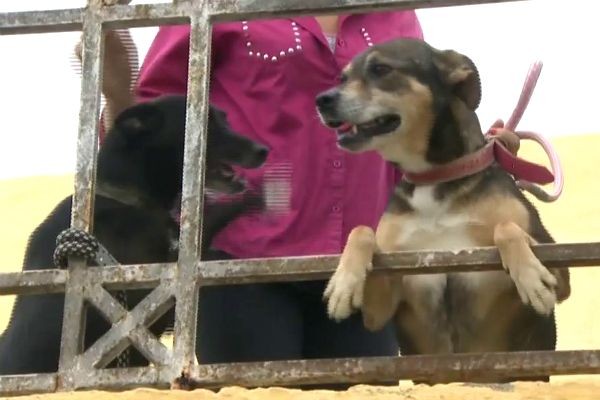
[186, 307]
[83, 197]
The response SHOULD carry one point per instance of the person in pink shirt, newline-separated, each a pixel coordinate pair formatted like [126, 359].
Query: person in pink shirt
[265, 76]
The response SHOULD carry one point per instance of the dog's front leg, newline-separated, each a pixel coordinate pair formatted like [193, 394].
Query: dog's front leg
[344, 292]
[535, 283]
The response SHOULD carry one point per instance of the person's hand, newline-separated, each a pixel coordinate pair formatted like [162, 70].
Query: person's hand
[509, 139]
[120, 64]
[120, 70]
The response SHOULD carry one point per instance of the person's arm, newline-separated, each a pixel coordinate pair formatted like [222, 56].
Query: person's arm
[119, 71]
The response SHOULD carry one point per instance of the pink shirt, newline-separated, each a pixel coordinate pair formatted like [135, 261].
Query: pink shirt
[265, 75]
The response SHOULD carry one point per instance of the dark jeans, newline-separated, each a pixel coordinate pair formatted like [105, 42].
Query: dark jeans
[280, 321]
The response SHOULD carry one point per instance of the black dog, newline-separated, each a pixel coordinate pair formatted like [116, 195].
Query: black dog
[139, 179]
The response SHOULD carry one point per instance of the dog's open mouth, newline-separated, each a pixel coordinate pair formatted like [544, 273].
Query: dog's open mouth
[222, 178]
[349, 133]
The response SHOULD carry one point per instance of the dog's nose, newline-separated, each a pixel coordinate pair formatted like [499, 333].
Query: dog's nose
[327, 99]
[261, 155]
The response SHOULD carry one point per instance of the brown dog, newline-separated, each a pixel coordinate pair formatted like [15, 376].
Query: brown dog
[415, 106]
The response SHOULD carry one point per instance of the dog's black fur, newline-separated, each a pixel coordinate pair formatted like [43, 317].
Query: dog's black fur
[139, 180]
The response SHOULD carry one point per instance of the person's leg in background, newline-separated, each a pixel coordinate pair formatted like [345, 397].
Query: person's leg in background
[245, 323]
[325, 338]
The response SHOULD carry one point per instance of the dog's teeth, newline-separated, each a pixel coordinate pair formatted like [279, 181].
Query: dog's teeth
[354, 129]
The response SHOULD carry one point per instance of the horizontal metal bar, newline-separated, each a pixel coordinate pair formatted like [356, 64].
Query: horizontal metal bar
[408, 262]
[124, 378]
[143, 276]
[385, 370]
[147, 276]
[140, 15]
[41, 21]
[33, 282]
[139, 276]
[232, 10]
[12, 385]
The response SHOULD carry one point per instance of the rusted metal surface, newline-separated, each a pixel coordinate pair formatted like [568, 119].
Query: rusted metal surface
[406, 262]
[27, 384]
[143, 276]
[374, 370]
[120, 379]
[14, 23]
[83, 196]
[140, 15]
[231, 10]
[186, 308]
[33, 282]
[111, 344]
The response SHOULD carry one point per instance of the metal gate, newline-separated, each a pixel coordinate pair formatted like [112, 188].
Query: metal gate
[171, 282]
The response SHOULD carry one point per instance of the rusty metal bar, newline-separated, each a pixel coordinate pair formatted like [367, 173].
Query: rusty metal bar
[21, 385]
[123, 379]
[143, 276]
[141, 15]
[105, 303]
[444, 368]
[405, 262]
[111, 344]
[250, 9]
[33, 282]
[383, 370]
[83, 197]
[150, 347]
[15, 23]
[295, 268]
[186, 307]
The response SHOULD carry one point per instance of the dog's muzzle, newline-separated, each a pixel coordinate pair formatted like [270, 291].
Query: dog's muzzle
[349, 132]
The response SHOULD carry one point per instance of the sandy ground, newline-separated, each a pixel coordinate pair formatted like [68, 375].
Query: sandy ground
[575, 217]
[519, 391]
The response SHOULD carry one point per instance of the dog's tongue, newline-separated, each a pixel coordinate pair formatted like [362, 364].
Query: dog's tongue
[345, 127]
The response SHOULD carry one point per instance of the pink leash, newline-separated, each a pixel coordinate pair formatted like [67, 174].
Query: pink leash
[511, 125]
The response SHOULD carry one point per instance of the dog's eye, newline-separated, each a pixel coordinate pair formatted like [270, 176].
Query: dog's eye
[380, 70]
[343, 78]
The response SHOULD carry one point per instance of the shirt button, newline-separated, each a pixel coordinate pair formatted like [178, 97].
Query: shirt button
[337, 163]
[341, 42]
[336, 209]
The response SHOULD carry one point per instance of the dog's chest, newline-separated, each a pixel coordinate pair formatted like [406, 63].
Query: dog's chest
[432, 225]
[453, 305]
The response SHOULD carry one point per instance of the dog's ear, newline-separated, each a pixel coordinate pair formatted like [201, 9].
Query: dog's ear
[139, 119]
[460, 73]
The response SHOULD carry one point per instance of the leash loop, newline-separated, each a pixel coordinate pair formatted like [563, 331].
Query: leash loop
[528, 87]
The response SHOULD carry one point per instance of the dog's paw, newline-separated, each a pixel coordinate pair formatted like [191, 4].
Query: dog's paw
[536, 285]
[344, 292]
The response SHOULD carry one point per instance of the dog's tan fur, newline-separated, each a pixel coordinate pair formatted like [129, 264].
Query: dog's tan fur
[482, 210]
